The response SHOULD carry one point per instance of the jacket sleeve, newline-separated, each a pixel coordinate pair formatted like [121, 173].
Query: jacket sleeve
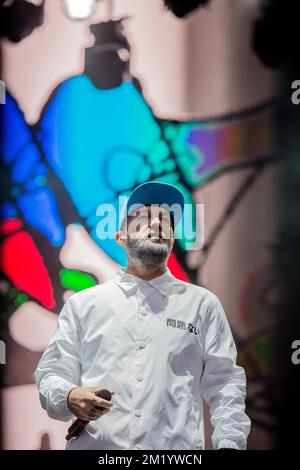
[223, 382]
[59, 369]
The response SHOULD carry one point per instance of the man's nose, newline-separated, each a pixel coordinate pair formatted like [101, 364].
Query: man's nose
[154, 221]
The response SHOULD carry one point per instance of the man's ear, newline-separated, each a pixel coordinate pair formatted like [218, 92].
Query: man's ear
[173, 241]
[119, 237]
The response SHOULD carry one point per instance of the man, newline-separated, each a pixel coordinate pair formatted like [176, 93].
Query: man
[158, 344]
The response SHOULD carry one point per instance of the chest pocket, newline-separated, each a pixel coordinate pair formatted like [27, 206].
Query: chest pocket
[184, 350]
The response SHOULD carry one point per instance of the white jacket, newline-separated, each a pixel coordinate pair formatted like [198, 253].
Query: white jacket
[162, 345]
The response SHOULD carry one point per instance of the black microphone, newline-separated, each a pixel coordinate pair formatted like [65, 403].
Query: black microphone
[79, 424]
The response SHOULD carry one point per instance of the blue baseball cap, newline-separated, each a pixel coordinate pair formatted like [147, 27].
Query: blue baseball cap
[154, 192]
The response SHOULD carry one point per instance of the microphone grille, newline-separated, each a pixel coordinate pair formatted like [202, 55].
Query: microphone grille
[105, 394]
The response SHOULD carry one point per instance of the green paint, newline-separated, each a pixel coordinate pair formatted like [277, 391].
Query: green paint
[76, 280]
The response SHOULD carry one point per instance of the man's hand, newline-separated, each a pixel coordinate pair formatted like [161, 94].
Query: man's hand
[84, 403]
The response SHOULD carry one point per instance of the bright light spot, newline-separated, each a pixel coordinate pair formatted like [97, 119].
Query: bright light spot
[79, 9]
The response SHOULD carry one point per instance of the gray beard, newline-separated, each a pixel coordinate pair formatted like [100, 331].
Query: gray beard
[148, 252]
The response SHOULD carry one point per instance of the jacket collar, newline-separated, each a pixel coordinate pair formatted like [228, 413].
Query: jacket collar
[164, 283]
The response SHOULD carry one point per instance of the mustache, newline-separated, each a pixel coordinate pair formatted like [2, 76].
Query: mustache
[155, 234]
[151, 252]
[159, 234]
[150, 237]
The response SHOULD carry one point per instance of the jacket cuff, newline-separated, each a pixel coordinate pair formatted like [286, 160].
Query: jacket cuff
[228, 444]
[59, 408]
[64, 399]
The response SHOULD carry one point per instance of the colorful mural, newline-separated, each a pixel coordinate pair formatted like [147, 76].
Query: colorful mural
[90, 146]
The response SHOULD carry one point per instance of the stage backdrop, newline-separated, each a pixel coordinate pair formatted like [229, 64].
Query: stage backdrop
[90, 116]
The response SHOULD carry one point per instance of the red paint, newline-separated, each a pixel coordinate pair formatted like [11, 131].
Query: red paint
[10, 225]
[24, 266]
[176, 268]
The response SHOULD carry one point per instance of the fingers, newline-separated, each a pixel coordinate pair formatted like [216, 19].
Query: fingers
[83, 402]
[92, 416]
[97, 389]
[93, 407]
[96, 413]
[100, 402]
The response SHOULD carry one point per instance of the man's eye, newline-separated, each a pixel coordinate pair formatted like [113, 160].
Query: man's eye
[142, 218]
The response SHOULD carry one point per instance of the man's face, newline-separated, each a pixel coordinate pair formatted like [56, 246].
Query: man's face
[149, 236]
